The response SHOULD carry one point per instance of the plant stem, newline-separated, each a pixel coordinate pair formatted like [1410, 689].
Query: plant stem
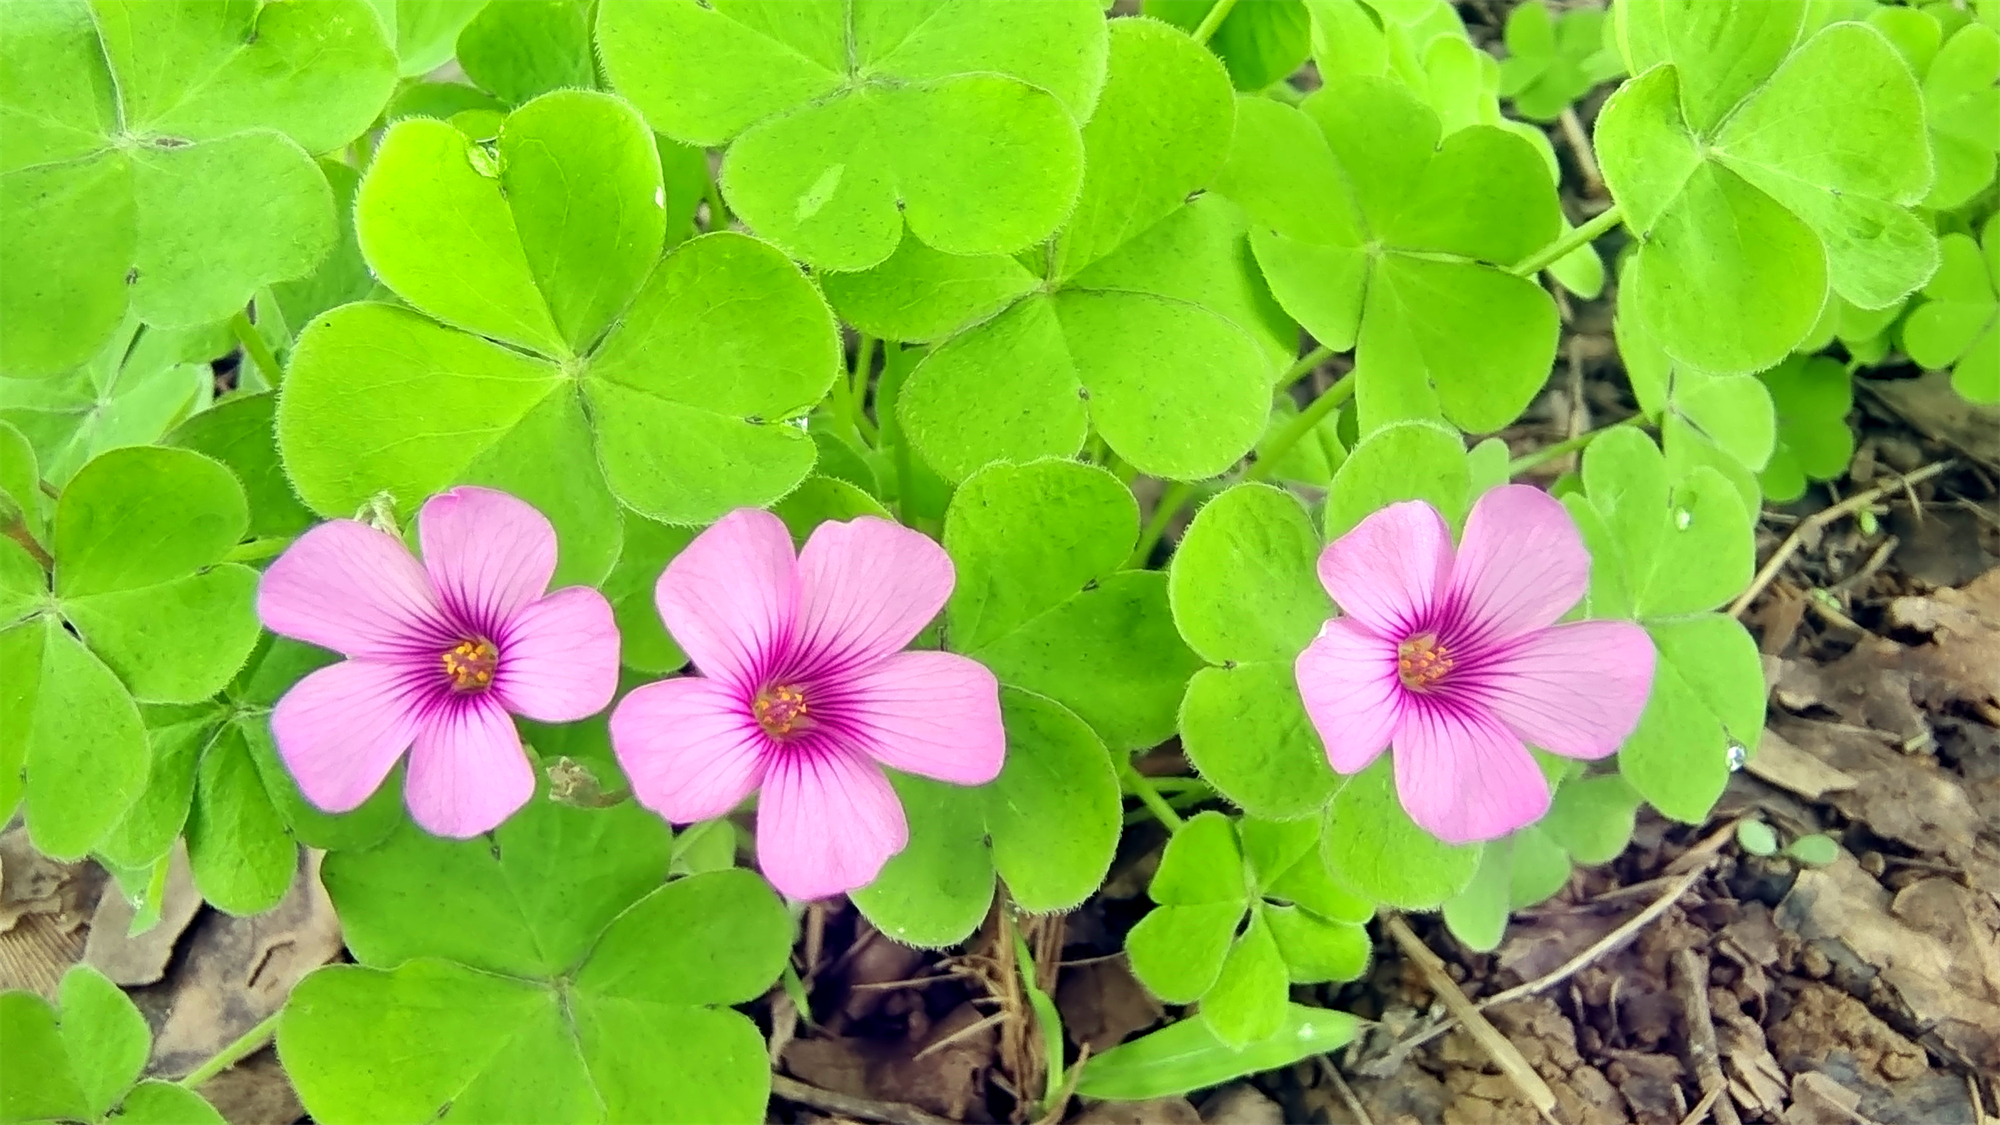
[1546, 454]
[1559, 249]
[1304, 366]
[249, 1043]
[255, 347]
[1169, 504]
[1310, 417]
[718, 211]
[1149, 796]
[1047, 1019]
[1212, 20]
[864, 361]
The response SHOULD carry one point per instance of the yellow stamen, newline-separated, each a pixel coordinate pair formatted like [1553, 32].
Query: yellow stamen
[781, 710]
[470, 665]
[1422, 661]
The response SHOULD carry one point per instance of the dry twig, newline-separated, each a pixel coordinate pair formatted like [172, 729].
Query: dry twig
[1691, 984]
[1345, 1091]
[1820, 520]
[1504, 1053]
[890, 1113]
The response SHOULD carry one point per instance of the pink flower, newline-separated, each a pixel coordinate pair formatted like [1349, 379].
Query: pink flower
[437, 654]
[1456, 660]
[804, 691]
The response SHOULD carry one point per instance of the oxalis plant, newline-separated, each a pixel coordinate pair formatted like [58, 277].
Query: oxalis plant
[692, 459]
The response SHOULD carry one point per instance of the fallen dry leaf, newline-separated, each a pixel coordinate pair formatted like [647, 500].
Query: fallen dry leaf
[132, 959]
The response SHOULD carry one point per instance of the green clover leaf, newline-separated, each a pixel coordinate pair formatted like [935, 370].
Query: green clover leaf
[1589, 822]
[1961, 104]
[241, 432]
[426, 30]
[1553, 61]
[1733, 156]
[667, 368]
[157, 158]
[547, 973]
[1664, 552]
[844, 121]
[141, 606]
[1957, 324]
[1048, 825]
[1260, 43]
[1043, 597]
[1194, 946]
[82, 1060]
[142, 383]
[1379, 38]
[1812, 397]
[1145, 318]
[521, 50]
[1368, 228]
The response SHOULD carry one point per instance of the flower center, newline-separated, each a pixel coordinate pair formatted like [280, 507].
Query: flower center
[470, 665]
[781, 710]
[1421, 662]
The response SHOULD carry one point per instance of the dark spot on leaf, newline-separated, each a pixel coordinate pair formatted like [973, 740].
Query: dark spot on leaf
[1228, 664]
[171, 142]
[132, 276]
[1090, 585]
[1195, 194]
[755, 419]
[1083, 393]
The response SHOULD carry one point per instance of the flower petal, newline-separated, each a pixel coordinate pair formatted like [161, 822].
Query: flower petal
[1347, 677]
[489, 553]
[1463, 776]
[690, 747]
[1521, 565]
[353, 589]
[1575, 690]
[931, 713]
[827, 821]
[1387, 572]
[559, 657]
[341, 729]
[468, 771]
[867, 587]
[728, 598]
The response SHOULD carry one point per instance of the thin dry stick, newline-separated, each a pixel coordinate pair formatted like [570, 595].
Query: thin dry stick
[1345, 1091]
[1061, 1105]
[1579, 145]
[1702, 1106]
[1608, 943]
[1822, 519]
[963, 1032]
[1691, 984]
[1504, 1054]
[891, 1113]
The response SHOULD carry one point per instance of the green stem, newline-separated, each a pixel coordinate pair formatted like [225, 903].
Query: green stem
[1304, 366]
[1047, 1018]
[864, 362]
[255, 347]
[1169, 505]
[1549, 453]
[1213, 20]
[1143, 789]
[1559, 249]
[1310, 417]
[249, 1043]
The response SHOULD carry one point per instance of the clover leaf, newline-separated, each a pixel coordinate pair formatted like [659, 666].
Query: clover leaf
[81, 1061]
[1379, 38]
[676, 371]
[844, 121]
[1733, 411]
[1048, 826]
[1260, 43]
[241, 432]
[1961, 103]
[216, 777]
[1665, 552]
[1735, 156]
[1957, 324]
[157, 158]
[1812, 397]
[526, 48]
[1195, 947]
[1145, 318]
[547, 973]
[1368, 226]
[1043, 597]
[142, 383]
[140, 607]
[1552, 61]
